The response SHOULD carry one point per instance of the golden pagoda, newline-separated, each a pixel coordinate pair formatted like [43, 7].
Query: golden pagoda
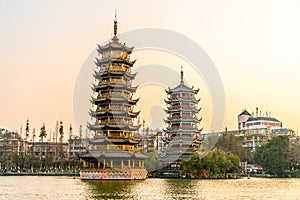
[112, 151]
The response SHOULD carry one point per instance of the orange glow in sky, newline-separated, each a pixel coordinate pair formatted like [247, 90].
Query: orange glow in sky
[254, 44]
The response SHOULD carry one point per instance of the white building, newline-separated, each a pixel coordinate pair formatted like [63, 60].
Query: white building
[248, 121]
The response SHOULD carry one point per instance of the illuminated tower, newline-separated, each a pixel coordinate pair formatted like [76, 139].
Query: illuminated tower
[112, 150]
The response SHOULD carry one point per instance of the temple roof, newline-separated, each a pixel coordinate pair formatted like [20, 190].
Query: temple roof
[182, 87]
[113, 86]
[112, 73]
[113, 154]
[99, 62]
[113, 126]
[115, 99]
[114, 45]
[111, 140]
[173, 100]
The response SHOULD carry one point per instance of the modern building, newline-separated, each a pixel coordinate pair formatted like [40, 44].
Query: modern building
[254, 129]
[112, 152]
[183, 137]
[248, 121]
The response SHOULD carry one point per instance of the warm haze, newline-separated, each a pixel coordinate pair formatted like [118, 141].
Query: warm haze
[255, 46]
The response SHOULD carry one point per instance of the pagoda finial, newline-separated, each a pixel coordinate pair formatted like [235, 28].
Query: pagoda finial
[115, 24]
[181, 80]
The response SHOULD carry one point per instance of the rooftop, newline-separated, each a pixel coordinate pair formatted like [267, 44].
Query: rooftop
[263, 119]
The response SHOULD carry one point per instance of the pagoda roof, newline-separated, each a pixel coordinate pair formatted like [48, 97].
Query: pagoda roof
[110, 140]
[113, 112]
[114, 99]
[172, 100]
[113, 126]
[103, 140]
[180, 110]
[112, 73]
[99, 62]
[114, 45]
[113, 154]
[170, 119]
[113, 86]
[181, 88]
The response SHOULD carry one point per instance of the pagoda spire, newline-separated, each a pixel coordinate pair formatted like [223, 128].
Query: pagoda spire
[181, 78]
[115, 38]
[115, 24]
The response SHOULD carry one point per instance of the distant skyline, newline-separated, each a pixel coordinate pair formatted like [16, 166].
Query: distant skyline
[254, 44]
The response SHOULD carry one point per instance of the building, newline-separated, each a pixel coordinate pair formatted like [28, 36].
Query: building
[248, 121]
[182, 134]
[253, 129]
[9, 142]
[112, 152]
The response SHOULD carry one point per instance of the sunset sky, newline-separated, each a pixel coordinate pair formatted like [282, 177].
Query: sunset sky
[254, 44]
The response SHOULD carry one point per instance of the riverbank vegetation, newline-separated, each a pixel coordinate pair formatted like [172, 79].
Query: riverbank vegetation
[279, 157]
[215, 164]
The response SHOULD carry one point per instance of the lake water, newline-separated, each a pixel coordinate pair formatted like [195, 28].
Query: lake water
[46, 187]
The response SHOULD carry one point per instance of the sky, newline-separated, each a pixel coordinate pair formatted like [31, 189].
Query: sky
[254, 44]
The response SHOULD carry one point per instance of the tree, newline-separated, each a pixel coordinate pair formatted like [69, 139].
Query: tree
[273, 156]
[61, 137]
[27, 130]
[153, 163]
[295, 156]
[231, 143]
[215, 164]
[43, 133]
[61, 131]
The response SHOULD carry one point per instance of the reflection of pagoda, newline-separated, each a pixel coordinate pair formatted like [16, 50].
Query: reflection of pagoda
[112, 153]
[182, 134]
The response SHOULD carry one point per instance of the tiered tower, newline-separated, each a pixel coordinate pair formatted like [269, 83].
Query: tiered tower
[112, 150]
[182, 134]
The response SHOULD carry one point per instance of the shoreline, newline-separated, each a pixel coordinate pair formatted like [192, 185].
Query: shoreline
[39, 174]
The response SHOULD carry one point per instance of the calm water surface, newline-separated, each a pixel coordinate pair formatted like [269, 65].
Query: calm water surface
[26, 187]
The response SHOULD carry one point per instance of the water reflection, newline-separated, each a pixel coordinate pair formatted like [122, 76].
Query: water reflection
[255, 188]
[67, 188]
[148, 189]
[110, 189]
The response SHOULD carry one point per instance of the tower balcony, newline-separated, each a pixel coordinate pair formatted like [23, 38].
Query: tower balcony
[177, 107]
[111, 94]
[114, 68]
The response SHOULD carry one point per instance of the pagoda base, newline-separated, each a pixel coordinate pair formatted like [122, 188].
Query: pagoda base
[103, 174]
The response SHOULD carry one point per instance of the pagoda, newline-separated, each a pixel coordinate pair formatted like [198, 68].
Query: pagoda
[112, 152]
[182, 136]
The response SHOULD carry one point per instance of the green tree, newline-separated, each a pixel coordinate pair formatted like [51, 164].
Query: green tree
[43, 133]
[61, 156]
[273, 156]
[295, 156]
[153, 163]
[231, 143]
[61, 131]
[215, 164]
[194, 165]
[27, 130]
